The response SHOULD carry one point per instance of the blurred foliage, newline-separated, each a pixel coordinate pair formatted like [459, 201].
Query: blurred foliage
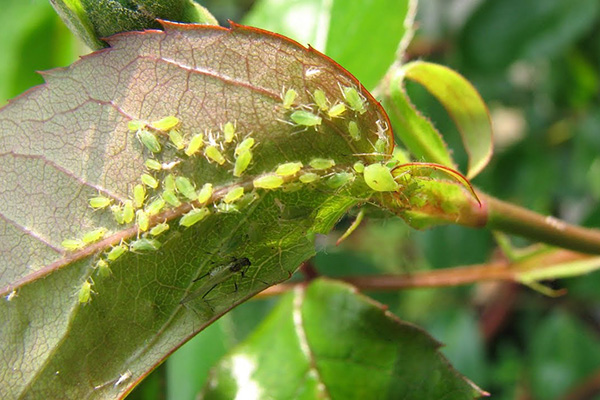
[537, 65]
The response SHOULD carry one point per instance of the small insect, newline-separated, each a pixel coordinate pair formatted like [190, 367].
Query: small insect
[219, 275]
[233, 194]
[159, 229]
[94, 236]
[153, 164]
[288, 98]
[11, 296]
[149, 181]
[212, 153]
[128, 211]
[379, 178]
[177, 139]
[72, 244]
[229, 132]
[186, 188]
[336, 110]
[353, 130]
[149, 140]
[142, 220]
[227, 208]
[116, 252]
[305, 118]
[195, 144]
[340, 179]
[355, 100]
[321, 100]
[246, 144]
[169, 182]
[123, 377]
[103, 268]
[309, 177]
[144, 244]
[170, 165]
[321, 163]
[359, 167]
[165, 123]
[242, 162]
[270, 181]
[99, 202]
[171, 198]
[289, 169]
[85, 292]
[194, 216]
[205, 193]
[135, 125]
[381, 145]
[139, 195]
[155, 206]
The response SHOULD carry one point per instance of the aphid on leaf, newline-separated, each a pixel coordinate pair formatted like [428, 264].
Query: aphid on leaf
[144, 244]
[142, 220]
[359, 167]
[72, 244]
[149, 140]
[116, 252]
[99, 202]
[170, 165]
[288, 98]
[270, 181]
[165, 123]
[355, 100]
[177, 139]
[229, 132]
[11, 296]
[195, 144]
[123, 377]
[309, 177]
[169, 182]
[153, 164]
[94, 236]
[227, 208]
[212, 153]
[85, 292]
[321, 163]
[103, 268]
[381, 145]
[135, 125]
[354, 130]
[219, 275]
[128, 211]
[379, 178]
[340, 179]
[171, 198]
[194, 216]
[305, 118]
[246, 144]
[149, 181]
[159, 229]
[205, 193]
[336, 110]
[289, 169]
[321, 100]
[155, 206]
[242, 162]
[186, 188]
[233, 194]
[139, 195]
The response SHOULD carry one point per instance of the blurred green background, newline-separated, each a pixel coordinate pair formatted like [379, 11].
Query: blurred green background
[537, 65]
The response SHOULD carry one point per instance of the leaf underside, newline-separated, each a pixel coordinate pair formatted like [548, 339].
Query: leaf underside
[68, 140]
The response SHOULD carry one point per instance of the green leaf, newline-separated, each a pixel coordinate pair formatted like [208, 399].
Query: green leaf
[74, 137]
[343, 30]
[462, 102]
[325, 340]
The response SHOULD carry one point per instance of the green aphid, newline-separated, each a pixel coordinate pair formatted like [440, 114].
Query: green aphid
[156, 206]
[355, 100]
[305, 118]
[288, 98]
[359, 167]
[321, 163]
[153, 164]
[103, 268]
[233, 194]
[169, 182]
[242, 162]
[117, 211]
[94, 236]
[229, 132]
[227, 208]
[354, 130]
[142, 220]
[99, 202]
[128, 211]
[144, 244]
[270, 181]
[321, 99]
[149, 140]
[205, 193]
[246, 144]
[159, 229]
[194, 216]
[381, 145]
[116, 252]
[336, 110]
[177, 139]
[149, 181]
[85, 292]
[72, 244]
[171, 198]
[309, 177]
[289, 169]
[195, 144]
[379, 178]
[165, 123]
[212, 153]
[186, 188]
[139, 195]
[135, 125]
[340, 179]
